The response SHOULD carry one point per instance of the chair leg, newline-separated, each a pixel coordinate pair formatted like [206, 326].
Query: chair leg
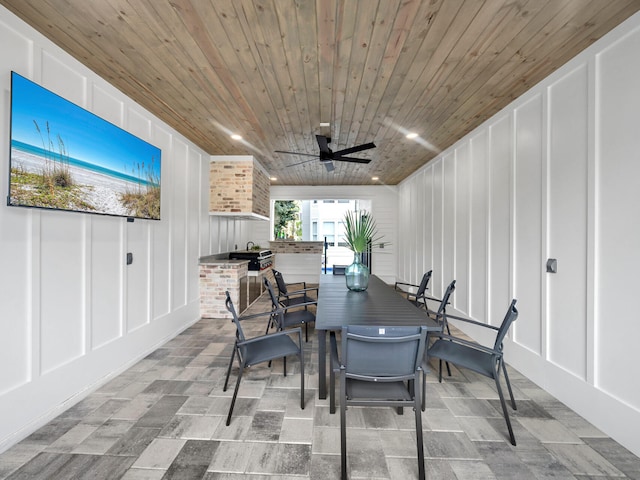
[440, 370]
[506, 377]
[343, 429]
[301, 379]
[235, 394]
[332, 391]
[419, 442]
[284, 362]
[306, 332]
[226, 381]
[424, 390]
[496, 376]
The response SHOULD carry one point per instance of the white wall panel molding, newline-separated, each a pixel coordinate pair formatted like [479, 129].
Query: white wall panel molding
[528, 208]
[74, 315]
[554, 175]
[479, 232]
[617, 255]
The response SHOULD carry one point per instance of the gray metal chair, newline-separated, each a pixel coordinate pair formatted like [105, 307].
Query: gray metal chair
[419, 297]
[486, 361]
[380, 366]
[440, 315]
[297, 297]
[252, 351]
[283, 317]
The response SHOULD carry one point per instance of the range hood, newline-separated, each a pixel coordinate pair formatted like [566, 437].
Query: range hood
[238, 188]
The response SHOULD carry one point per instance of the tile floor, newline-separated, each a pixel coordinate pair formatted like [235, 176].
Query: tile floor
[164, 418]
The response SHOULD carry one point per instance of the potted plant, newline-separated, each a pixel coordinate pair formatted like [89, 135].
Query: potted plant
[360, 230]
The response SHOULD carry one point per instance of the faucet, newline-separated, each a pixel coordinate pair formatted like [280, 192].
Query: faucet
[252, 244]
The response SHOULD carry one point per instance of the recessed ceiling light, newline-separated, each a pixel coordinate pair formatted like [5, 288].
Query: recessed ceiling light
[273, 179]
[375, 178]
[411, 135]
[235, 136]
[325, 124]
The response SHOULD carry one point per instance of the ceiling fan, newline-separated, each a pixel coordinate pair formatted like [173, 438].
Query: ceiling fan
[327, 156]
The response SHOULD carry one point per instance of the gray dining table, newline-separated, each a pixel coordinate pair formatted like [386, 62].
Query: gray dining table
[379, 304]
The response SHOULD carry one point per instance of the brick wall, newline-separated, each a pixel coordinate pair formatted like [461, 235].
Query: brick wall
[283, 246]
[215, 279]
[238, 186]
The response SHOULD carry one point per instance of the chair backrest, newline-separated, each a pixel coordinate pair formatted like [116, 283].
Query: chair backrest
[509, 318]
[234, 317]
[445, 298]
[379, 352]
[282, 287]
[423, 283]
[274, 298]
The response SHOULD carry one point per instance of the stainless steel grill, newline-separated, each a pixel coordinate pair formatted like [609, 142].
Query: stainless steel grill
[258, 259]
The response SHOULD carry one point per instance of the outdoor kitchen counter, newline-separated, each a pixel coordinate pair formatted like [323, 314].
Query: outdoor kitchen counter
[291, 246]
[298, 261]
[218, 274]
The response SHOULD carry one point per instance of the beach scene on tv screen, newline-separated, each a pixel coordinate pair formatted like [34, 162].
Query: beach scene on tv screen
[64, 157]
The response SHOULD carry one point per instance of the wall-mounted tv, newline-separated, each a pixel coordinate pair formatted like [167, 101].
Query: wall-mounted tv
[66, 158]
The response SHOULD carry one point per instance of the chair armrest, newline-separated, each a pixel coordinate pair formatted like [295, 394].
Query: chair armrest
[304, 284]
[403, 283]
[297, 305]
[281, 333]
[302, 291]
[467, 343]
[474, 322]
[262, 314]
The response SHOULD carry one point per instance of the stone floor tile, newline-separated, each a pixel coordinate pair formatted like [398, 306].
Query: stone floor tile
[297, 430]
[192, 461]
[237, 430]
[230, 457]
[266, 426]
[471, 470]
[134, 441]
[398, 443]
[440, 420]
[472, 407]
[549, 430]
[479, 429]
[503, 461]
[70, 440]
[326, 440]
[143, 474]
[324, 467]
[274, 399]
[194, 427]
[160, 453]
[452, 445]
[582, 460]
[16, 456]
[617, 455]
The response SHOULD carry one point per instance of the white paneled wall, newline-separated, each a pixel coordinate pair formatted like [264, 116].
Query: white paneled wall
[553, 175]
[72, 313]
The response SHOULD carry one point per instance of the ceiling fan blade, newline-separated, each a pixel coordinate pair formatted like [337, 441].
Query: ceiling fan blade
[357, 148]
[352, 159]
[297, 153]
[300, 163]
[323, 143]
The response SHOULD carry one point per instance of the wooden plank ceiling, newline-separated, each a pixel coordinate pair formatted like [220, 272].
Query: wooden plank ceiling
[274, 70]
